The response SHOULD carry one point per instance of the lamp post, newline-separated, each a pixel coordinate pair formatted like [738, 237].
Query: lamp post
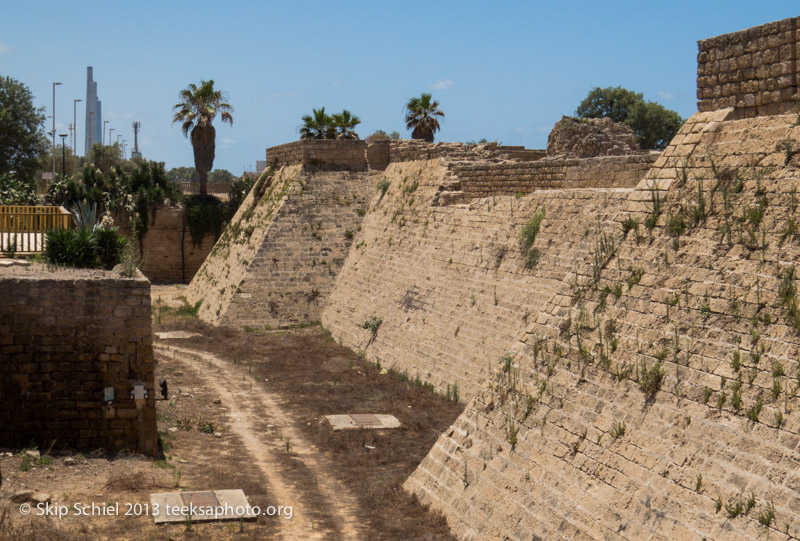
[54, 126]
[63, 157]
[75, 124]
[124, 144]
[109, 136]
[104, 131]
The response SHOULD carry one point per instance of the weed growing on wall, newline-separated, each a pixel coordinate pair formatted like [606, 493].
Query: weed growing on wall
[528, 236]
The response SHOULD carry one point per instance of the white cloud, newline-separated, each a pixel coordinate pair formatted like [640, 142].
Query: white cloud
[337, 82]
[4, 49]
[282, 95]
[666, 95]
[521, 129]
[227, 142]
[442, 84]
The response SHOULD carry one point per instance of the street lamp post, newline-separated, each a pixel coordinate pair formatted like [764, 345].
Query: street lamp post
[75, 126]
[124, 144]
[54, 126]
[109, 136]
[104, 131]
[63, 157]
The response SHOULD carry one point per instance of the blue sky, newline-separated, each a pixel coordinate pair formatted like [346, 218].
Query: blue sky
[505, 71]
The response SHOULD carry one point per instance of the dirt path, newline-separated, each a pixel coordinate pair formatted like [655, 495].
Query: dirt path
[268, 433]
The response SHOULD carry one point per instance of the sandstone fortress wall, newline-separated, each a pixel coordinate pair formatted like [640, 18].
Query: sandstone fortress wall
[275, 265]
[632, 375]
[168, 251]
[63, 339]
[754, 70]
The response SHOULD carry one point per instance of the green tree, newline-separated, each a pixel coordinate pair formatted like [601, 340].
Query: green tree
[196, 112]
[183, 174]
[612, 102]
[221, 175]
[15, 191]
[22, 139]
[344, 124]
[72, 163]
[106, 157]
[653, 124]
[317, 126]
[422, 116]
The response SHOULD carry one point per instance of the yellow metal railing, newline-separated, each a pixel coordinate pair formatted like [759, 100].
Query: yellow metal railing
[23, 227]
[213, 188]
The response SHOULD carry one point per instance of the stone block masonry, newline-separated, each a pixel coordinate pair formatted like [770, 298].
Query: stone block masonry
[65, 336]
[356, 155]
[485, 179]
[653, 394]
[753, 70]
[168, 251]
[331, 153]
[277, 261]
[450, 282]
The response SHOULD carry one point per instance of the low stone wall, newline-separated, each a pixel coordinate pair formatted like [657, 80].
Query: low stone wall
[484, 179]
[406, 150]
[344, 154]
[357, 155]
[753, 70]
[64, 337]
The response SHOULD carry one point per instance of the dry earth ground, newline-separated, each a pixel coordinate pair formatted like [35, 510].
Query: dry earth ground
[264, 395]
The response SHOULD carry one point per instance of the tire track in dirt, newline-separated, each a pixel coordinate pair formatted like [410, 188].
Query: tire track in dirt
[250, 406]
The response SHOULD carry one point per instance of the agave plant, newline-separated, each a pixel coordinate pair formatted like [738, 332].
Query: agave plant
[85, 215]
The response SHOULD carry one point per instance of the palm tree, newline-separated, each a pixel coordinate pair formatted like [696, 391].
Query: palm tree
[344, 124]
[196, 110]
[421, 116]
[318, 126]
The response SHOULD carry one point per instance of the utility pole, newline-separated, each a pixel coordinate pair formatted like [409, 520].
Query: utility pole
[63, 153]
[75, 122]
[135, 152]
[54, 127]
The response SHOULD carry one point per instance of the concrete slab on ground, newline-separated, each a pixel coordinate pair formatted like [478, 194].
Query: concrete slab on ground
[175, 335]
[376, 421]
[13, 262]
[204, 506]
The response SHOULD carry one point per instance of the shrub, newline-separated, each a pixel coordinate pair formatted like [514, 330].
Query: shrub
[528, 236]
[676, 225]
[383, 187]
[70, 247]
[205, 216]
[629, 225]
[372, 325]
[110, 245]
[650, 379]
[531, 229]
[14, 191]
[84, 248]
